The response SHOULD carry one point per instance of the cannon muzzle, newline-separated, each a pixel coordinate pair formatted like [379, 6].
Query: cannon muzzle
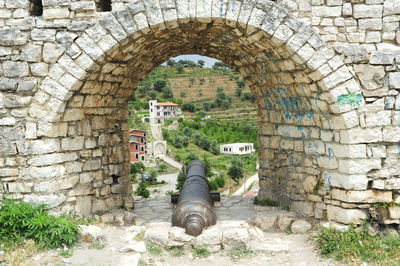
[195, 203]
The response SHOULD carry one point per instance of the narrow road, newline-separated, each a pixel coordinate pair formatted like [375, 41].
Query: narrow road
[156, 131]
[246, 185]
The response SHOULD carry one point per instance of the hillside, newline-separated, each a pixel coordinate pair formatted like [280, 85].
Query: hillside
[197, 85]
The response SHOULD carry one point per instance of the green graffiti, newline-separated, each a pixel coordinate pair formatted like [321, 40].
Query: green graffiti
[353, 99]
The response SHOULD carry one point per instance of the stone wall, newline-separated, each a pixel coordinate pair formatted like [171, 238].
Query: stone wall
[326, 82]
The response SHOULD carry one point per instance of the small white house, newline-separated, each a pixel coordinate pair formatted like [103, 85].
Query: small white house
[161, 111]
[237, 148]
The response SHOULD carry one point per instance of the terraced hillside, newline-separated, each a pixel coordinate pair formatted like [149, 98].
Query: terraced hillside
[204, 88]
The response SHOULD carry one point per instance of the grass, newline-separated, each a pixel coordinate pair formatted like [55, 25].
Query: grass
[200, 252]
[139, 236]
[154, 249]
[66, 253]
[356, 246]
[266, 202]
[238, 254]
[96, 245]
[175, 251]
[18, 253]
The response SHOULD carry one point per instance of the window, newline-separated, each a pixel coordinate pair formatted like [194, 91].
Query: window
[141, 140]
[36, 8]
[151, 110]
[137, 156]
[103, 5]
[151, 104]
[142, 158]
[136, 146]
[142, 149]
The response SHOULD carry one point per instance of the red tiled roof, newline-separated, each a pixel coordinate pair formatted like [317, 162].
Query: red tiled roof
[167, 104]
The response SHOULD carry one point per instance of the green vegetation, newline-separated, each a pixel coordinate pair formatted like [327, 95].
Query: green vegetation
[181, 178]
[20, 221]
[266, 202]
[67, 253]
[238, 254]
[200, 252]
[236, 170]
[357, 245]
[96, 245]
[142, 190]
[175, 251]
[154, 249]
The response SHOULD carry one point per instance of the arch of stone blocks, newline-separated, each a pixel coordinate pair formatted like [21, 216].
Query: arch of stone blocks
[312, 153]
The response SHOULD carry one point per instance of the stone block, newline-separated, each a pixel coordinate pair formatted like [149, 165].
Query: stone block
[326, 11]
[346, 181]
[381, 58]
[371, 77]
[12, 36]
[266, 221]
[366, 196]
[370, 24]
[235, 238]
[72, 144]
[158, 233]
[43, 146]
[55, 13]
[17, 4]
[15, 69]
[358, 166]
[346, 216]
[394, 212]
[391, 134]
[31, 53]
[360, 135]
[43, 35]
[52, 52]
[394, 80]
[300, 227]
[367, 11]
[382, 118]
[52, 200]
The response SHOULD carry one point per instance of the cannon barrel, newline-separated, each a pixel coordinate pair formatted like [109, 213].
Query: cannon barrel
[194, 210]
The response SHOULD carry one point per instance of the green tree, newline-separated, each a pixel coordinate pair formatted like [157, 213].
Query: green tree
[239, 91]
[241, 83]
[191, 80]
[206, 106]
[200, 63]
[207, 163]
[201, 81]
[142, 190]
[162, 167]
[236, 170]
[167, 93]
[189, 107]
[159, 84]
[202, 113]
[181, 178]
[152, 94]
[179, 68]
[153, 176]
[171, 62]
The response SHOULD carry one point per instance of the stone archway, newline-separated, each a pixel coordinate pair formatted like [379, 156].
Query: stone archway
[304, 133]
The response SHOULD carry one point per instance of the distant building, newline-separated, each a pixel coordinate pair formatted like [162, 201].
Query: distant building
[159, 112]
[237, 148]
[138, 145]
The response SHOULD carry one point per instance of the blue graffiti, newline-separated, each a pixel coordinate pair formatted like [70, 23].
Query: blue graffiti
[327, 179]
[233, 5]
[330, 153]
[282, 101]
[221, 8]
[352, 99]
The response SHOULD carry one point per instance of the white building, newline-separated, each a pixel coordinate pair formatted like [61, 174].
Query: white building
[237, 148]
[161, 111]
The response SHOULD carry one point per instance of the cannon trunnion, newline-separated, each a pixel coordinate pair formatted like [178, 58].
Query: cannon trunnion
[194, 210]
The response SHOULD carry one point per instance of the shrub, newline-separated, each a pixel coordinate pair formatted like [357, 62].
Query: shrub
[142, 190]
[220, 181]
[213, 185]
[181, 178]
[21, 220]
[266, 202]
[159, 84]
[167, 93]
[202, 113]
[206, 106]
[188, 107]
[236, 170]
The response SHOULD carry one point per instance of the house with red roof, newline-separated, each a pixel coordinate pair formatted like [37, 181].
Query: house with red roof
[159, 112]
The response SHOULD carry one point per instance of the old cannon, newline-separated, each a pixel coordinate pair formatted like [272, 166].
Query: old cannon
[194, 210]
